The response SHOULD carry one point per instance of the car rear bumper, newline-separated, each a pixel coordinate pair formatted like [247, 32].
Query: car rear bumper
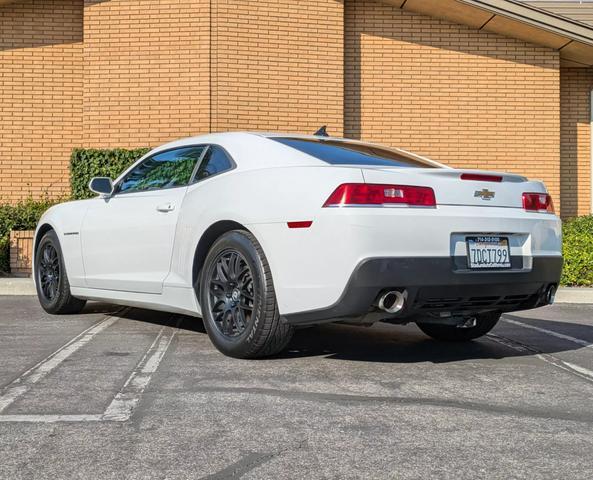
[438, 286]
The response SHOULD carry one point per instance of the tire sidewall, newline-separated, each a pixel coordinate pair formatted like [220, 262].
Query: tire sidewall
[450, 333]
[244, 344]
[49, 238]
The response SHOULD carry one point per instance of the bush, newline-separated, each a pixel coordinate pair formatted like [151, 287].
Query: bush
[578, 252]
[22, 216]
[88, 163]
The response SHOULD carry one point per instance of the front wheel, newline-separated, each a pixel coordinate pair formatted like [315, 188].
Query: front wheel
[238, 301]
[51, 281]
[452, 333]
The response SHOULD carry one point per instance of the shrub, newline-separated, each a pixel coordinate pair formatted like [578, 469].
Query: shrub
[88, 163]
[578, 251]
[22, 216]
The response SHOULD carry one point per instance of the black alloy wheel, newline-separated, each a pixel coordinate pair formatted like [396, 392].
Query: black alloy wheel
[237, 298]
[231, 293]
[51, 280]
[48, 273]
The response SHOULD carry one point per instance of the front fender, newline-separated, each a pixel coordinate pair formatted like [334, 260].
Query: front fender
[65, 219]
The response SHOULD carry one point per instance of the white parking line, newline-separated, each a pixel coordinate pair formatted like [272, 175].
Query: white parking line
[49, 418]
[578, 341]
[22, 384]
[576, 370]
[125, 402]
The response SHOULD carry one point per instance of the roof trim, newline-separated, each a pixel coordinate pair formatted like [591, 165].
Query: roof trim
[551, 22]
[513, 19]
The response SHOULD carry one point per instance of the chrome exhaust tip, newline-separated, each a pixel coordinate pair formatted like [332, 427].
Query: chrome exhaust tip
[393, 301]
[550, 294]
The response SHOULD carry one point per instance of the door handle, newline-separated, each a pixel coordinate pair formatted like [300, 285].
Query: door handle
[166, 207]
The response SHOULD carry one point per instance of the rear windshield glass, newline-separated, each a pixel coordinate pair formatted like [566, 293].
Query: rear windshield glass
[346, 153]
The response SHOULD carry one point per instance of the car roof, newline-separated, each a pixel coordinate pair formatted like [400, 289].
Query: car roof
[255, 150]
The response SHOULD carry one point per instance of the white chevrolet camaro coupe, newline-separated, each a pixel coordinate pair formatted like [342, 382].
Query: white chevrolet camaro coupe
[259, 234]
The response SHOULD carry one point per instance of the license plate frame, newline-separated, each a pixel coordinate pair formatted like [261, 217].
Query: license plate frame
[487, 252]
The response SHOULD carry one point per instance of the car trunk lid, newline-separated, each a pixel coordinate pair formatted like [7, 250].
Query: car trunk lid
[460, 187]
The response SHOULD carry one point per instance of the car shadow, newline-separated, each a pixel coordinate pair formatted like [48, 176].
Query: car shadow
[387, 343]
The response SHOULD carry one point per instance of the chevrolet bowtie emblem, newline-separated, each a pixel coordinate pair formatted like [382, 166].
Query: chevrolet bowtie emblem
[484, 194]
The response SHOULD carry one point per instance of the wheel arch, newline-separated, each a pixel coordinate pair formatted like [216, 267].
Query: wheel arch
[41, 231]
[210, 235]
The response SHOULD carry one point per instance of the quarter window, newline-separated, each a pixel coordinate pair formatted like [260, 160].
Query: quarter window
[169, 169]
[216, 160]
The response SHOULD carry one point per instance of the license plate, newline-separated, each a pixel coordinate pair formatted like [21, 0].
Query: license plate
[488, 252]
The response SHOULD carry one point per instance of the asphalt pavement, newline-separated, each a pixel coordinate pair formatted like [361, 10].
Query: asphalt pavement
[129, 393]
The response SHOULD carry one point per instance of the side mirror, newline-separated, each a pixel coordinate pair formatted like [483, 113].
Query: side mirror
[101, 185]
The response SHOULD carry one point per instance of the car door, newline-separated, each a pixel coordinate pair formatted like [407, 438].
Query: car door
[127, 239]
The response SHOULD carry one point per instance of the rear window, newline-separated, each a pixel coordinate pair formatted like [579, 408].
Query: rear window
[346, 153]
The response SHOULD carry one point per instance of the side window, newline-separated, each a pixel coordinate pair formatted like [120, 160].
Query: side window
[169, 169]
[215, 161]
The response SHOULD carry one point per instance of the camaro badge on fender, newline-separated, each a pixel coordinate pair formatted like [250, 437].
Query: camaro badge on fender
[484, 194]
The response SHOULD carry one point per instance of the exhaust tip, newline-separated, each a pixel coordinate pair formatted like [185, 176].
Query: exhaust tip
[393, 301]
[550, 294]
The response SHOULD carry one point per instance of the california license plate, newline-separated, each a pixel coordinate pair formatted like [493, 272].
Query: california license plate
[488, 252]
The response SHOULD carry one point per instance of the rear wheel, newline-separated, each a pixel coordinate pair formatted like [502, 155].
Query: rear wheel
[238, 301]
[452, 333]
[51, 281]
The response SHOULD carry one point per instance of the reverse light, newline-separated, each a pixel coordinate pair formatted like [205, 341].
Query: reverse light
[478, 177]
[352, 194]
[538, 202]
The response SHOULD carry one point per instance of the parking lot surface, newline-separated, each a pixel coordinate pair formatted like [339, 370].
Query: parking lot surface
[129, 393]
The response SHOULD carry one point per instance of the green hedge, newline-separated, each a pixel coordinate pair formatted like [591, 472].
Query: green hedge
[22, 216]
[578, 251]
[88, 163]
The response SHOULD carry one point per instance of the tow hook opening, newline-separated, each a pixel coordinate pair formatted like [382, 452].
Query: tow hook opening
[393, 301]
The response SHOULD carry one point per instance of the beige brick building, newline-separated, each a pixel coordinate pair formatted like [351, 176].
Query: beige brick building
[492, 84]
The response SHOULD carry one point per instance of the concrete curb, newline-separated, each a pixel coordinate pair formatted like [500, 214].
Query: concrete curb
[17, 286]
[574, 295]
[25, 286]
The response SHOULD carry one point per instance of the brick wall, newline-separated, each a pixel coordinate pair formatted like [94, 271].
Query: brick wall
[575, 146]
[277, 65]
[467, 98]
[40, 95]
[146, 71]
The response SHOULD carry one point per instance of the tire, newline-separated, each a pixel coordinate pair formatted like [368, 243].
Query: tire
[451, 333]
[51, 280]
[238, 301]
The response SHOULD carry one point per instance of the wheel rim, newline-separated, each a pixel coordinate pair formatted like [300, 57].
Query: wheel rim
[49, 272]
[231, 293]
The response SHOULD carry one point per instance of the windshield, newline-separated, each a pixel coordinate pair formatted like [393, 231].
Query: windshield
[349, 153]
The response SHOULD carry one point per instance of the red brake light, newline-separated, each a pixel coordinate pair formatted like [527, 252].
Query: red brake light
[379, 194]
[481, 178]
[538, 202]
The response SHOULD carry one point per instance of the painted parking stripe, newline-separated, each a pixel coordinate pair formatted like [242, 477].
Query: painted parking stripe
[49, 418]
[22, 384]
[125, 402]
[578, 341]
[568, 367]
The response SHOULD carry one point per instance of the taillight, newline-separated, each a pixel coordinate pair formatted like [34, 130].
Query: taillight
[379, 194]
[538, 202]
[478, 177]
